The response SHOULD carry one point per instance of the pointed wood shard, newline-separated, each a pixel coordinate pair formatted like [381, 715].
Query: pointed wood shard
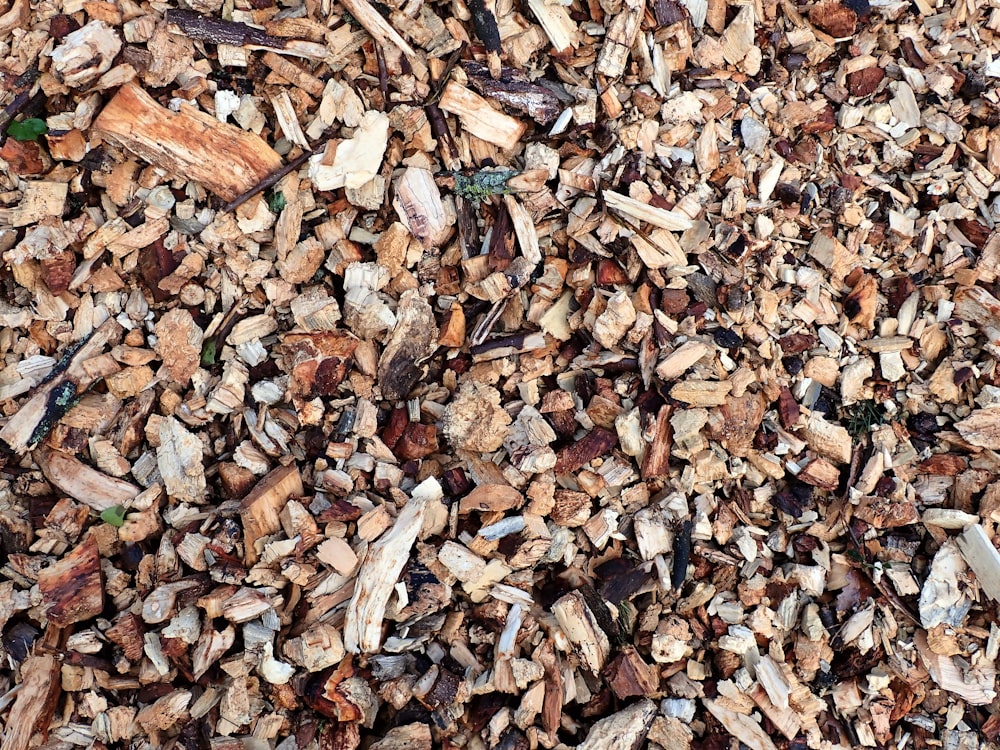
[381, 569]
[742, 727]
[365, 14]
[624, 730]
[36, 701]
[983, 558]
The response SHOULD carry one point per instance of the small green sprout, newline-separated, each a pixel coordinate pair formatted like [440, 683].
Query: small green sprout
[864, 415]
[115, 515]
[27, 130]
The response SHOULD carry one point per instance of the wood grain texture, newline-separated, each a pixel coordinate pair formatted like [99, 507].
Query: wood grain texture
[191, 144]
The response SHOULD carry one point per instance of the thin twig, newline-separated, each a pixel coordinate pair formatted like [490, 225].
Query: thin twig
[383, 75]
[442, 81]
[218, 31]
[439, 83]
[268, 181]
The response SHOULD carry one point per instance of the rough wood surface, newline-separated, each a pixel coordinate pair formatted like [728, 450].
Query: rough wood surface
[84, 483]
[50, 402]
[72, 588]
[261, 508]
[223, 158]
[380, 570]
[521, 374]
[35, 703]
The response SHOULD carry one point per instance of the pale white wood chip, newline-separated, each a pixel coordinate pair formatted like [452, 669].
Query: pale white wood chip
[618, 317]
[84, 484]
[624, 730]
[354, 161]
[461, 562]
[41, 200]
[419, 206]
[983, 558]
[828, 439]
[179, 458]
[376, 25]
[948, 518]
[942, 601]
[524, 228]
[85, 53]
[743, 728]
[288, 121]
[771, 678]
[620, 39]
[982, 428]
[904, 105]
[738, 38]
[672, 220]
[659, 249]
[977, 305]
[678, 361]
[977, 686]
[381, 569]
[557, 24]
[580, 626]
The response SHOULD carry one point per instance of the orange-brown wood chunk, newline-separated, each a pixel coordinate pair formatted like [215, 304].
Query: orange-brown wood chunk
[192, 144]
[261, 508]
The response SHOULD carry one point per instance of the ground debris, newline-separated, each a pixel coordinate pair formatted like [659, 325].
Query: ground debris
[518, 375]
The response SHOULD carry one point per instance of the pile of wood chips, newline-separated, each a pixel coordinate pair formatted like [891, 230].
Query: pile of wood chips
[493, 374]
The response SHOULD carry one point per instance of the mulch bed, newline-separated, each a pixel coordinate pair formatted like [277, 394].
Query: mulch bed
[499, 375]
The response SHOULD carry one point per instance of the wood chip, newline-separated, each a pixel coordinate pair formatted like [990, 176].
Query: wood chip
[479, 118]
[517, 375]
[260, 510]
[380, 570]
[984, 559]
[72, 588]
[639, 211]
[189, 143]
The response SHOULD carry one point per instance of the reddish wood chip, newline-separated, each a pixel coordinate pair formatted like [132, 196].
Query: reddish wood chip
[595, 443]
[864, 82]
[72, 588]
[23, 157]
[835, 18]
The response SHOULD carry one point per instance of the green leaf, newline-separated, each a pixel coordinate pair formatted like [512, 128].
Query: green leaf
[276, 202]
[27, 130]
[208, 352]
[115, 515]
